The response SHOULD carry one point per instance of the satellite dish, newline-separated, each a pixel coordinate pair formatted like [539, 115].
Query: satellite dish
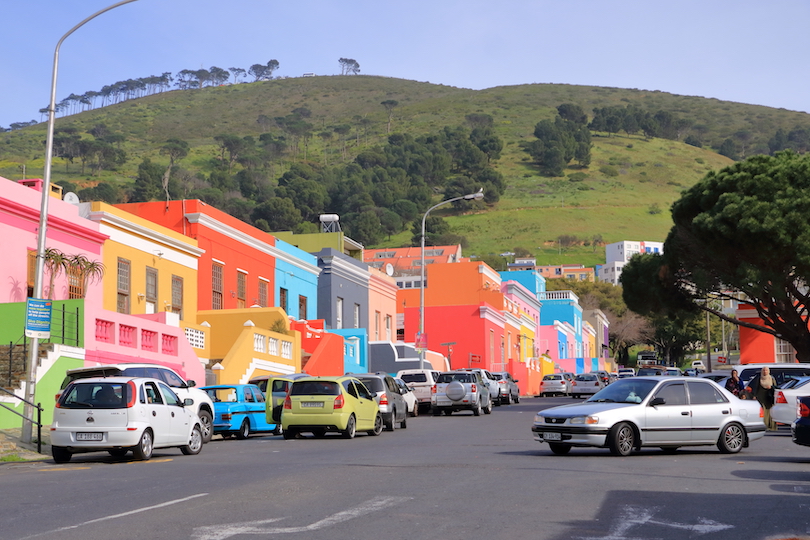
[71, 198]
[389, 269]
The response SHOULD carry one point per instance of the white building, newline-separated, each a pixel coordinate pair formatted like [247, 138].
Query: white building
[617, 255]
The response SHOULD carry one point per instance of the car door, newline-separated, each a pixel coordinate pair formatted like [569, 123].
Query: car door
[179, 417]
[670, 421]
[256, 409]
[277, 390]
[158, 414]
[710, 411]
[366, 407]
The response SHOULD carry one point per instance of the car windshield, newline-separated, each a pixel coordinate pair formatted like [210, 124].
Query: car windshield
[553, 378]
[586, 377]
[222, 394]
[375, 384]
[450, 377]
[99, 395]
[625, 391]
[414, 377]
[315, 388]
[497, 377]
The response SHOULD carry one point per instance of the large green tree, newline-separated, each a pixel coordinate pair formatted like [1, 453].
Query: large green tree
[741, 233]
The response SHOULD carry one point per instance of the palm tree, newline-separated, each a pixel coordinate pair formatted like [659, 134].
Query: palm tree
[85, 270]
[56, 262]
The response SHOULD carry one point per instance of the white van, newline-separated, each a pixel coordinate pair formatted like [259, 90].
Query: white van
[422, 381]
[780, 372]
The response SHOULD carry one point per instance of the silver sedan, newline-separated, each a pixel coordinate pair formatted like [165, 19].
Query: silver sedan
[666, 412]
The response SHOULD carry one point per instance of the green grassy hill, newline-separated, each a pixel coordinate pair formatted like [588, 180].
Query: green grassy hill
[625, 194]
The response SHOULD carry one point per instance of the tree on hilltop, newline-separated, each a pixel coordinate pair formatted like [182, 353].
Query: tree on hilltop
[349, 66]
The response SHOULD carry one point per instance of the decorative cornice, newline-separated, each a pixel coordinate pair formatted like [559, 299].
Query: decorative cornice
[217, 226]
[112, 220]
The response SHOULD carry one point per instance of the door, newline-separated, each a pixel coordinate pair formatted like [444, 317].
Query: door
[710, 411]
[366, 410]
[158, 414]
[256, 409]
[671, 421]
[178, 417]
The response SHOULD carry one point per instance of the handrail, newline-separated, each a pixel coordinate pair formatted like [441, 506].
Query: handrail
[38, 407]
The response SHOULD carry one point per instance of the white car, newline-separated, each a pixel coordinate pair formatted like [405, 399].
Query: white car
[491, 383]
[664, 412]
[785, 401]
[554, 384]
[409, 397]
[122, 414]
[586, 384]
[421, 382]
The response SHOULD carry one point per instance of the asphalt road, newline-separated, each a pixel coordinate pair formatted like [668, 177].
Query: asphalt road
[456, 477]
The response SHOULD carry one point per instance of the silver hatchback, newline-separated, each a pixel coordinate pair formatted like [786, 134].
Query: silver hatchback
[388, 396]
[554, 384]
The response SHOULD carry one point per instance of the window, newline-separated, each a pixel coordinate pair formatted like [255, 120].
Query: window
[784, 351]
[75, 282]
[302, 307]
[262, 293]
[673, 394]
[701, 393]
[241, 289]
[151, 289]
[376, 326]
[216, 286]
[282, 299]
[357, 315]
[339, 313]
[124, 268]
[388, 327]
[177, 296]
[32, 272]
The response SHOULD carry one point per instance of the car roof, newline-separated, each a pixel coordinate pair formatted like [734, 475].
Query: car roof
[214, 386]
[93, 380]
[287, 376]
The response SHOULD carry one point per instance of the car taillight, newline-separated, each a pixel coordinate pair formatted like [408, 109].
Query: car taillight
[226, 417]
[133, 394]
[339, 401]
[288, 403]
[596, 383]
[573, 383]
[803, 410]
[433, 389]
[383, 399]
[780, 397]
[57, 396]
[761, 412]
[472, 388]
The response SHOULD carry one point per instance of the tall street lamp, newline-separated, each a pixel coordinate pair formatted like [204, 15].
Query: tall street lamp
[421, 338]
[30, 386]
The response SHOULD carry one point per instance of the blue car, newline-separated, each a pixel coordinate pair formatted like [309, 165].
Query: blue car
[239, 409]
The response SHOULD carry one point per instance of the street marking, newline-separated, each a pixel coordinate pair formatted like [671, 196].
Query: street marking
[221, 532]
[64, 469]
[632, 516]
[116, 516]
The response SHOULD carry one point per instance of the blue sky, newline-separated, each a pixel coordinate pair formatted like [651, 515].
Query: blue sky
[744, 51]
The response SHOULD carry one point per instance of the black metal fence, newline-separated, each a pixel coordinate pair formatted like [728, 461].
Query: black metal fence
[38, 422]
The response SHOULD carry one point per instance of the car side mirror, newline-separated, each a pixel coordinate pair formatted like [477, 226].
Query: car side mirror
[517, 380]
[188, 402]
[657, 401]
[191, 384]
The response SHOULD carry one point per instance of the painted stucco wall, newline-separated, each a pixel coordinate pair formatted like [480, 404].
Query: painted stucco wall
[298, 274]
[342, 277]
[382, 307]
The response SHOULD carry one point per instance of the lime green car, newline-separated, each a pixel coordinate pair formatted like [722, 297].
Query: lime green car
[322, 404]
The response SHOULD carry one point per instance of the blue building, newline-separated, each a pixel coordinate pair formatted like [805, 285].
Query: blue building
[296, 281]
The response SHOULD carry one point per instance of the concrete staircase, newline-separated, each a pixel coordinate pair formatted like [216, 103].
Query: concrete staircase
[18, 359]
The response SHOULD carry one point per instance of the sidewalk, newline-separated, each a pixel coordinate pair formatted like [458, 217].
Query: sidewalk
[10, 445]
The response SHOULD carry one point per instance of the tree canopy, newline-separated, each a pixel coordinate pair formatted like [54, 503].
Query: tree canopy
[741, 233]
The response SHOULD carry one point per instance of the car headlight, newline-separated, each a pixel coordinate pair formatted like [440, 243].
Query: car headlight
[585, 420]
[539, 419]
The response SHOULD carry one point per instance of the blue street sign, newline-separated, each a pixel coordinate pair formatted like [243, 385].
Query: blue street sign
[38, 318]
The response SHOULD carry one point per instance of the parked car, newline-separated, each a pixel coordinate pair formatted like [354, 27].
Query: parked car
[627, 370]
[122, 414]
[239, 409]
[202, 404]
[604, 376]
[492, 385]
[330, 404]
[586, 384]
[508, 390]
[554, 384]
[780, 372]
[460, 390]
[650, 371]
[386, 392]
[785, 399]
[667, 412]
[278, 386]
[673, 372]
[421, 381]
[409, 397]
[800, 428]
[570, 378]
[626, 375]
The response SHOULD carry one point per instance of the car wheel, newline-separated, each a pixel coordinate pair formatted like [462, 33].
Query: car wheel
[289, 434]
[378, 426]
[404, 423]
[488, 408]
[448, 412]
[517, 398]
[319, 433]
[575, 396]
[351, 426]
[389, 421]
[60, 454]
[731, 439]
[118, 452]
[621, 439]
[143, 450]
[415, 410]
[559, 449]
[244, 430]
[207, 423]
[194, 444]
[477, 409]
[508, 399]
[277, 430]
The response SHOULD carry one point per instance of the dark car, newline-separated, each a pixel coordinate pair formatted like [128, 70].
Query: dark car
[800, 429]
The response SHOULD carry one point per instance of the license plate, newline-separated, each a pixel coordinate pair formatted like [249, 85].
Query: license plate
[89, 436]
[552, 436]
[312, 404]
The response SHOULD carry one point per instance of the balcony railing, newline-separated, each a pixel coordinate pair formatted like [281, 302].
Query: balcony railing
[558, 295]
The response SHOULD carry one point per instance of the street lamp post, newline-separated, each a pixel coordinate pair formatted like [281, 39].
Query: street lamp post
[421, 337]
[30, 386]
